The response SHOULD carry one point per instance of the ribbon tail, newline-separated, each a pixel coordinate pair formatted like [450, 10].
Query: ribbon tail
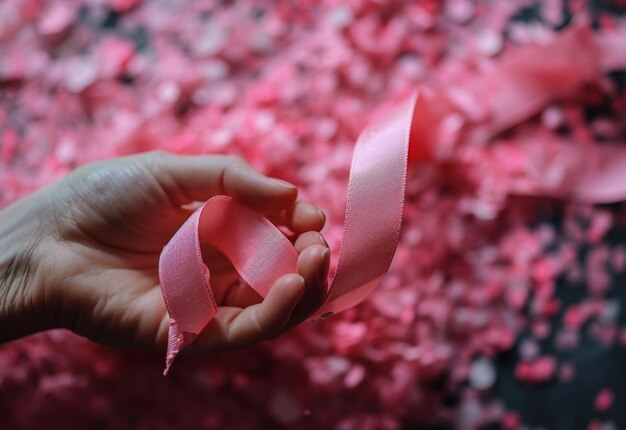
[176, 341]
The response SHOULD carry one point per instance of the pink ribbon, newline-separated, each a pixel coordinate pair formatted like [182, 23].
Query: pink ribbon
[253, 244]
[513, 92]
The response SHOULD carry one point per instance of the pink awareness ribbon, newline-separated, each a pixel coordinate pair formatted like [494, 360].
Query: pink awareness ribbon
[505, 96]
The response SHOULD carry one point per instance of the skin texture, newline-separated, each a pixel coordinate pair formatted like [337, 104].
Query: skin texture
[83, 253]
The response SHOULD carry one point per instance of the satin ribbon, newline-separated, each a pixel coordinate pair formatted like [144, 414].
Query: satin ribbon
[513, 92]
[253, 244]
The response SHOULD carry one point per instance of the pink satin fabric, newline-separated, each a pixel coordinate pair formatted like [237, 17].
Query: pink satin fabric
[247, 239]
[376, 189]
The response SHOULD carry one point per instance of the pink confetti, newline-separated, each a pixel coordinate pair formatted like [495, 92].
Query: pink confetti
[289, 87]
[566, 372]
[56, 19]
[604, 400]
[539, 370]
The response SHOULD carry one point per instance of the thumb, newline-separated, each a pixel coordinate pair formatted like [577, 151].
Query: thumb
[197, 178]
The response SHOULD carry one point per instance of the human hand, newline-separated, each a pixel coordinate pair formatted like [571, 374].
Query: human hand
[83, 253]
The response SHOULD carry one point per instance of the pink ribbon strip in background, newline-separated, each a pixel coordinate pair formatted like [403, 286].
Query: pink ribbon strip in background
[416, 130]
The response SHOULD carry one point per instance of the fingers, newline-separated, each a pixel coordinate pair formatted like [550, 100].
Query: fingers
[301, 217]
[234, 327]
[308, 239]
[229, 290]
[197, 178]
[313, 264]
[291, 300]
[188, 179]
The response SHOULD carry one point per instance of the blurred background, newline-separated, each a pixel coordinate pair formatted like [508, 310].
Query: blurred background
[500, 311]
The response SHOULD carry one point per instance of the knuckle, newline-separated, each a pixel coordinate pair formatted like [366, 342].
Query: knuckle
[158, 157]
[258, 328]
[234, 167]
[236, 159]
[235, 162]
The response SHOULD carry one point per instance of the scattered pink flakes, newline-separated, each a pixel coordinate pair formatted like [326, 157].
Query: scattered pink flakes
[604, 400]
[542, 369]
[482, 374]
[544, 270]
[347, 335]
[595, 425]
[115, 56]
[57, 18]
[459, 11]
[541, 329]
[603, 333]
[123, 5]
[489, 43]
[9, 143]
[354, 376]
[574, 317]
[618, 259]
[567, 372]
[510, 421]
[552, 118]
[289, 87]
[596, 267]
[552, 11]
[499, 338]
[601, 221]
[517, 297]
[622, 337]
[284, 408]
[566, 339]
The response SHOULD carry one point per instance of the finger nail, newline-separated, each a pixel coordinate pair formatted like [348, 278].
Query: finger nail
[323, 215]
[326, 260]
[302, 290]
[322, 240]
[321, 280]
[281, 183]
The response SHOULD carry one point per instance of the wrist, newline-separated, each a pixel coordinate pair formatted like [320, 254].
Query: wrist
[21, 307]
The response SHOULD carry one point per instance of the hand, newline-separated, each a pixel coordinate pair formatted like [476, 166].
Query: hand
[83, 253]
